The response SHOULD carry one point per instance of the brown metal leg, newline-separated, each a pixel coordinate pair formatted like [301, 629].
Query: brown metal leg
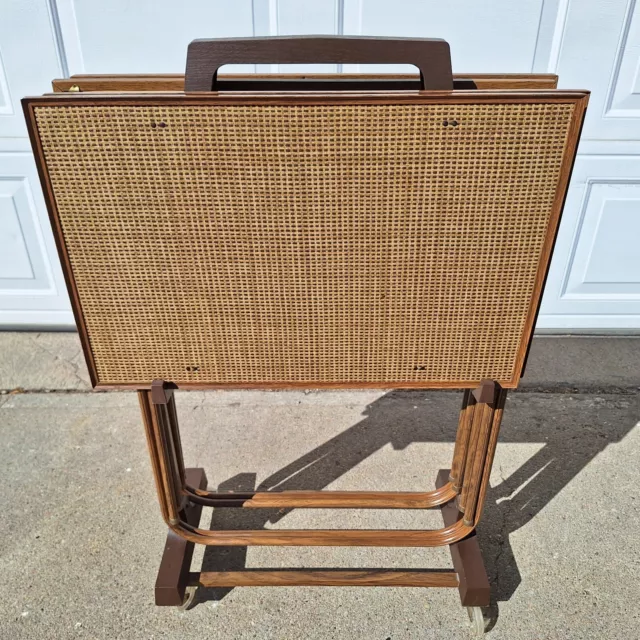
[173, 575]
[462, 440]
[175, 493]
[182, 496]
[466, 557]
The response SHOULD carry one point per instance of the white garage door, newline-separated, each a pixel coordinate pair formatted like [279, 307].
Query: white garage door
[595, 277]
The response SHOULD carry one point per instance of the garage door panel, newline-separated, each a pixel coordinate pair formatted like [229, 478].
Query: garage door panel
[32, 290]
[595, 276]
[120, 36]
[28, 259]
[28, 60]
[596, 267]
[599, 50]
[495, 37]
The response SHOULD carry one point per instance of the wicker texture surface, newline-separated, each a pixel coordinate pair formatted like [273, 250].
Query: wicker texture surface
[295, 243]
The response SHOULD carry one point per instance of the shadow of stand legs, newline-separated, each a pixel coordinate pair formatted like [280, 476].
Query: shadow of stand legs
[575, 431]
[231, 558]
[588, 425]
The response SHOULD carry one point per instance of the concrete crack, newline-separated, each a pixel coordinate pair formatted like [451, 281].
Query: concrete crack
[503, 535]
[74, 365]
[503, 506]
[200, 404]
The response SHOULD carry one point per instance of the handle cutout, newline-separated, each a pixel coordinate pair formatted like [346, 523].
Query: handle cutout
[431, 56]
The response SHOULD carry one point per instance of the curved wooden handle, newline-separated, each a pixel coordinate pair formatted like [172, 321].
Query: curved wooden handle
[432, 56]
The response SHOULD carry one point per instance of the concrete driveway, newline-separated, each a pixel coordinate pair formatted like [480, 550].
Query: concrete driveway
[81, 535]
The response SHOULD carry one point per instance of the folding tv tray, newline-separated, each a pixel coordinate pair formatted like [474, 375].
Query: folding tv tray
[296, 231]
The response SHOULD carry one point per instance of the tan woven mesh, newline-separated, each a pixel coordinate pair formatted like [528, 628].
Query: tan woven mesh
[337, 243]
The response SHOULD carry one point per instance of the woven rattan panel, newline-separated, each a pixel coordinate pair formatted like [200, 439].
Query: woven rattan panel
[291, 243]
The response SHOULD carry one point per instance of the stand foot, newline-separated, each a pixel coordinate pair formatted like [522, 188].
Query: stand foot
[467, 560]
[189, 597]
[477, 622]
[173, 574]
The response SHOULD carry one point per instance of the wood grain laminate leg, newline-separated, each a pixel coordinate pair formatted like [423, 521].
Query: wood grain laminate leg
[462, 440]
[173, 575]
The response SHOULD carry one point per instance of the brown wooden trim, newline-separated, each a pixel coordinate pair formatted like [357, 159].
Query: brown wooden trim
[482, 421]
[325, 499]
[467, 560]
[549, 77]
[325, 537]
[171, 496]
[171, 460]
[146, 411]
[175, 82]
[325, 578]
[309, 384]
[573, 138]
[462, 440]
[173, 574]
[308, 98]
[490, 453]
[58, 236]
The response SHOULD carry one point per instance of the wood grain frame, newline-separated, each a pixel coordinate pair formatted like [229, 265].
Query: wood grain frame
[578, 98]
[175, 82]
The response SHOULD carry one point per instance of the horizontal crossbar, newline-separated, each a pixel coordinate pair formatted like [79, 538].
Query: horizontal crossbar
[325, 578]
[325, 499]
[325, 537]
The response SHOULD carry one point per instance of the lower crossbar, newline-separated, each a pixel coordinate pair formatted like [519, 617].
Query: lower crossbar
[325, 537]
[325, 578]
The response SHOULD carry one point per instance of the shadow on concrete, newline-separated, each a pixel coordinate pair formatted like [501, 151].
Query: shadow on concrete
[572, 430]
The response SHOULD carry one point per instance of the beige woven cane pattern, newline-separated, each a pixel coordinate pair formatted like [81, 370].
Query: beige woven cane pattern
[292, 243]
